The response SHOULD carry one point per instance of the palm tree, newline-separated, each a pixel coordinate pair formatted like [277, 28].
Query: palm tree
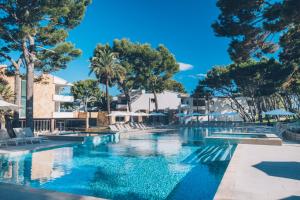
[105, 65]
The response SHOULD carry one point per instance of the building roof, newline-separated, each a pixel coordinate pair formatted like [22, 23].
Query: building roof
[60, 81]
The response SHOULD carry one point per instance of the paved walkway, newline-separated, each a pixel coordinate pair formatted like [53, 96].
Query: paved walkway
[17, 192]
[23, 149]
[262, 172]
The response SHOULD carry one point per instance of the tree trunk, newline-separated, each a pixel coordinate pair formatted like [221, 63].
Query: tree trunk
[128, 98]
[8, 125]
[16, 115]
[29, 96]
[259, 109]
[155, 100]
[30, 57]
[87, 125]
[107, 100]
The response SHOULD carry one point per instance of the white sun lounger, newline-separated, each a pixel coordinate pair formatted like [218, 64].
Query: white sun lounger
[5, 139]
[113, 128]
[27, 135]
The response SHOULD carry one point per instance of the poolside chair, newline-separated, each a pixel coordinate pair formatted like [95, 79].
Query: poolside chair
[144, 126]
[27, 135]
[113, 128]
[120, 127]
[5, 139]
[133, 125]
[139, 126]
[128, 127]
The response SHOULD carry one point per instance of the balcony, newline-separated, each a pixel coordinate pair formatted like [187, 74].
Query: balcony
[63, 115]
[63, 98]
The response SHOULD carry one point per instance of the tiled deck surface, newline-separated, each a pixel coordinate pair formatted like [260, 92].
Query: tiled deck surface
[17, 192]
[262, 172]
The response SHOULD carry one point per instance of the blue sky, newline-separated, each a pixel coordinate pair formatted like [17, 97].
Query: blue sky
[183, 26]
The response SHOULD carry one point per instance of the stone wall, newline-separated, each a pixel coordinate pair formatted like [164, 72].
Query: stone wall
[43, 90]
[43, 104]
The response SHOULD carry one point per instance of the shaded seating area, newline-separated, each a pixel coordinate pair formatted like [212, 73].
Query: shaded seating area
[130, 127]
[6, 140]
[27, 135]
[23, 136]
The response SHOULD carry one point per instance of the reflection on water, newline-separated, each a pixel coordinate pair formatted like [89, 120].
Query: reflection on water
[154, 166]
[37, 167]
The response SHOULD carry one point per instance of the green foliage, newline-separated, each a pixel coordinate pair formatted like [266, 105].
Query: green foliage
[38, 30]
[201, 90]
[5, 91]
[255, 26]
[174, 86]
[86, 91]
[256, 79]
[105, 65]
[258, 82]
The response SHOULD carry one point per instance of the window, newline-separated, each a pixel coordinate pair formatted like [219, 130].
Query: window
[152, 100]
[120, 119]
[199, 102]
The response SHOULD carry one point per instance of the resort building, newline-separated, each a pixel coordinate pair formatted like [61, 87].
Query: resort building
[215, 105]
[51, 93]
[142, 101]
[172, 103]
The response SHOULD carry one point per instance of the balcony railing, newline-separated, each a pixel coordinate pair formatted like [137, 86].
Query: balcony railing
[63, 98]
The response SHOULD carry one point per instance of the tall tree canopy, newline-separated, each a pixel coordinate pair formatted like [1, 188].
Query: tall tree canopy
[105, 65]
[36, 32]
[86, 92]
[252, 80]
[174, 86]
[145, 68]
[258, 27]
[5, 90]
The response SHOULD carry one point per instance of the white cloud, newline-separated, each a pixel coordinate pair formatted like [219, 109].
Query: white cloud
[197, 76]
[201, 75]
[185, 67]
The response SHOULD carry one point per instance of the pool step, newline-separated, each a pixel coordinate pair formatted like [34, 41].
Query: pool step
[210, 153]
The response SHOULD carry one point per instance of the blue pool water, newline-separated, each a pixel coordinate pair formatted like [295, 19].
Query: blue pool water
[237, 135]
[173, 165]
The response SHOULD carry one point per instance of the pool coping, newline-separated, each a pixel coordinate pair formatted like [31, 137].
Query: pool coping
[12, 151]
[270, 139]
[246, 178]
[17, 192]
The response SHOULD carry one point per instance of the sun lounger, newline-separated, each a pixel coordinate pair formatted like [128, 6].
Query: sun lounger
[144, 126]
[5, 139]
[27, 135]
[138, 126]
[113, 128]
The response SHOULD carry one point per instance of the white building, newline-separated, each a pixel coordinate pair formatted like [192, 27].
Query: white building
[145, 102]
[168, 102]
[217, 105]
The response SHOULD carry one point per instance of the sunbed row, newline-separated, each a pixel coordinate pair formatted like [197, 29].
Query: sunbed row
[133, 126]
[23, 136]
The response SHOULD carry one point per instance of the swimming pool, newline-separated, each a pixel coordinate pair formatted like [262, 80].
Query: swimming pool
[238, 135]
[172, 165]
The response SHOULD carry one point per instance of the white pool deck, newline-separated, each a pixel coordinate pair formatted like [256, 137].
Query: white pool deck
[13, 150]
[18, 192]
[262, 172]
